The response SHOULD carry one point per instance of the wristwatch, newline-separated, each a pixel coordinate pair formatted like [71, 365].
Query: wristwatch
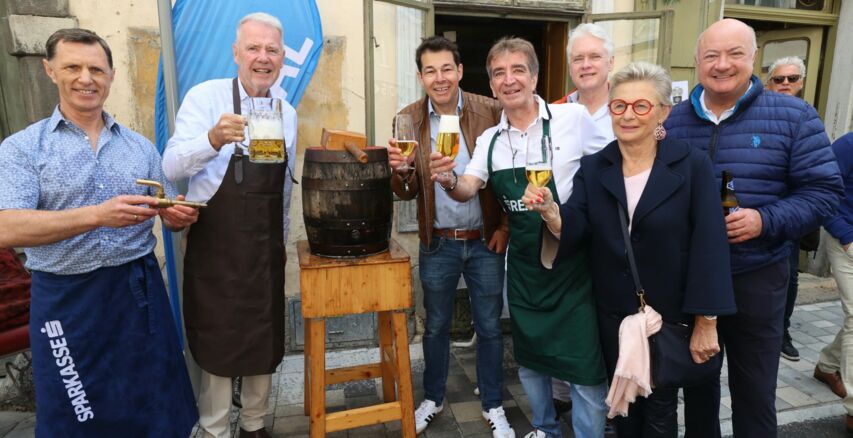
[710, 317]
[453, 185]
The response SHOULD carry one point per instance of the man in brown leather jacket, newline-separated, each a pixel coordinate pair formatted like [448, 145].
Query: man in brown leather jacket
[456, 238]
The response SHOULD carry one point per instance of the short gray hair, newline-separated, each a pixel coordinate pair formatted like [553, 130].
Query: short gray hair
[788, 60]
[261, 17]
[644, 71]
[595, 31]
[514, 45]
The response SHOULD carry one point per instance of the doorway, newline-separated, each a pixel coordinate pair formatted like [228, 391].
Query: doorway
[476, 35]
[777, 40]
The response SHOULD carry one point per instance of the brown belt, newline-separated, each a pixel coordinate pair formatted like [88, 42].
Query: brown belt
[453, 234]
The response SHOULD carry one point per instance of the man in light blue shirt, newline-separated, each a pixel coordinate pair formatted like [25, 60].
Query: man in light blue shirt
[101, 330]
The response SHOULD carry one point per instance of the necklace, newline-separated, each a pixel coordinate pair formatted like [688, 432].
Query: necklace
[514, 151]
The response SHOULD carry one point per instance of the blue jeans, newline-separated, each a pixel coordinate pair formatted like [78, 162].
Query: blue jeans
[588, 408]
[440, 267]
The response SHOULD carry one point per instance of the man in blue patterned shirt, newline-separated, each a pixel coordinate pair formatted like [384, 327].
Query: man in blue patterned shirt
[106, 357]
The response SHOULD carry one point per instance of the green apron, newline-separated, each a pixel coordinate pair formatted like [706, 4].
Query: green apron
[554, 326]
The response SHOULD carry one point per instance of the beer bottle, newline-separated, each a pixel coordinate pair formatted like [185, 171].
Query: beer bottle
[727, 193]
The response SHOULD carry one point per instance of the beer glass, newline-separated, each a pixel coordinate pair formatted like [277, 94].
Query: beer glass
[404, 133]
[447, 142]
[266, 134]
[538, 162]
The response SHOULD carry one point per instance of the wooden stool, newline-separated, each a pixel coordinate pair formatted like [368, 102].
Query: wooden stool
[380, 283]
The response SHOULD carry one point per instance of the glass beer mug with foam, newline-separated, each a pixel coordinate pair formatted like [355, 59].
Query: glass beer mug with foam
[266, 135]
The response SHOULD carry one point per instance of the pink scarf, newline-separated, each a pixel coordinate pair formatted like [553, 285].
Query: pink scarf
[633, 371]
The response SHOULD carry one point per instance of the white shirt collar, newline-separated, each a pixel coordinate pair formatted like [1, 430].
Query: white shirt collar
[503, 125]
[723, 115]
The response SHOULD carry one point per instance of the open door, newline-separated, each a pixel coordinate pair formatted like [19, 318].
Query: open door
[555, 67]
[805, 42]
[394, 30]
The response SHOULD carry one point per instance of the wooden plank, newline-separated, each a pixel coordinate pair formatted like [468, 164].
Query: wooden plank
[356, 372]
[357, 286]
[307, 367]
[363, 416]
[386, 341]
[317, 427]
[333, 139]
[404, 371]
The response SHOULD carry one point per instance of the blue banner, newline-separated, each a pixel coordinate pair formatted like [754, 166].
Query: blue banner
[205, 30]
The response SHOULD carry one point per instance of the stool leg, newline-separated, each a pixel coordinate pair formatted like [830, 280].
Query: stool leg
[404, 372]
[307, 367]
[317, 428]
[386, 356]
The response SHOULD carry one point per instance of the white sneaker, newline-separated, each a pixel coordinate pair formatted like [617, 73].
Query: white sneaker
[425, 413]
[535, 433]
[497, 422]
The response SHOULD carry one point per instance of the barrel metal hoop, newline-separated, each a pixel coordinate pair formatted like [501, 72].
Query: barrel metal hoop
[338, 251]
[345, 185]
[346, 224]
[374, 155]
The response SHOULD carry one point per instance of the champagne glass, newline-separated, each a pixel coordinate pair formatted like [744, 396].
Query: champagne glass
[447, 142]
[538, 163]
[404, 133]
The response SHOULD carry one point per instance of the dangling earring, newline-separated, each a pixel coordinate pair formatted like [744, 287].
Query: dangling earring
[660, 132]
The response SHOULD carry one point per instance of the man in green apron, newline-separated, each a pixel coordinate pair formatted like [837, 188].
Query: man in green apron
[554, 327]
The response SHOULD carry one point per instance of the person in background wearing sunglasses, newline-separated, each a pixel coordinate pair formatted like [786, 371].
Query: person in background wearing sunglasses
[786, 76]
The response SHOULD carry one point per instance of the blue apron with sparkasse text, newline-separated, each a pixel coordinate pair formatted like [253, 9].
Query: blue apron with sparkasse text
[106, 359]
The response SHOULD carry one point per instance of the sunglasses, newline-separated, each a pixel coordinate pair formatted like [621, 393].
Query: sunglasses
[641, 107]
[781, 79]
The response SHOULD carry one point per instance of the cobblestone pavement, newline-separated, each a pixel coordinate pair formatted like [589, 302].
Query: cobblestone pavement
[799, 398]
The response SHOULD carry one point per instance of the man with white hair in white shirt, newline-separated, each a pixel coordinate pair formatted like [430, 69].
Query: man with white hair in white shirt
[234, 265]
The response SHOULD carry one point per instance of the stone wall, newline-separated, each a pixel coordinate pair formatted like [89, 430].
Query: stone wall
[28, 95]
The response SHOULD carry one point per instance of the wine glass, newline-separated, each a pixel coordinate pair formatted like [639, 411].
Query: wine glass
[404, 133]
[538, 163]
[447, 142]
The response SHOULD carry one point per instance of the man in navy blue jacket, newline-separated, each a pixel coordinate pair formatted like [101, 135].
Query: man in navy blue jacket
[835, 366]
[787, 183]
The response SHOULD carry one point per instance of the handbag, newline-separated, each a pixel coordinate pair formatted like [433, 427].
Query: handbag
[672, 365]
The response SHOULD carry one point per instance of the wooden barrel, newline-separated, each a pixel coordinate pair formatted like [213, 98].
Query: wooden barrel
[347, 205]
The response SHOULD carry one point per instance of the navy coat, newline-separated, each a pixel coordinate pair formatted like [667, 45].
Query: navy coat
[782, 163]
[678, 234]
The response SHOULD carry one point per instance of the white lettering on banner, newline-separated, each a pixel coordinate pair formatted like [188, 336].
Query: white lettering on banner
[73, 384]
[298, 58]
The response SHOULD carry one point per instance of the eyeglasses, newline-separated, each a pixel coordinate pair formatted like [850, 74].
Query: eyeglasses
[781, 79]
[641, 107]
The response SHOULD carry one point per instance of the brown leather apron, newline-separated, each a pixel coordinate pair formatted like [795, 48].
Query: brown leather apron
[234, 276]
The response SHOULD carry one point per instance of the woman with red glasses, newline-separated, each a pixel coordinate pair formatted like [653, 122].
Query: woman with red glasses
[667, 195]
